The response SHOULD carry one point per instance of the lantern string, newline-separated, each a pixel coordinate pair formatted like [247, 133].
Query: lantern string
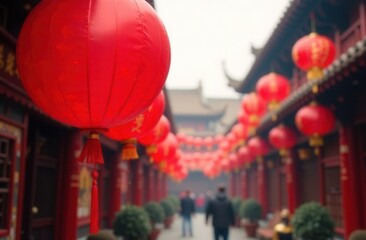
[312, 23]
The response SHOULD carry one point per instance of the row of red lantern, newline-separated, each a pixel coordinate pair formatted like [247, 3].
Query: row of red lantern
[94, 81]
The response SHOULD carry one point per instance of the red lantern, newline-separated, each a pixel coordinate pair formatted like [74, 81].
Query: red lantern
[181, 137]
[88, 64]
[240, 132]
[258, 147]
[208, 142]
[157, 134]
[219, 138]
[140, 125]
[245, 155]
[243, 117]
[255, 107]
[197, 142]
[313, 53]
[315, 121]
[166, 149]
[273, 88]
[282, 138]
[224, 146]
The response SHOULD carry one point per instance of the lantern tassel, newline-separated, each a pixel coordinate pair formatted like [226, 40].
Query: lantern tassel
[92, 151]
[94, 205]
[314, 73]
[129, 151]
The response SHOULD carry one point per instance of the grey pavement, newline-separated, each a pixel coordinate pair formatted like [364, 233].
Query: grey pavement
[201, 231]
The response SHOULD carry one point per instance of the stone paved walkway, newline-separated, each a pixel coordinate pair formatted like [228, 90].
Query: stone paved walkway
[201, 231]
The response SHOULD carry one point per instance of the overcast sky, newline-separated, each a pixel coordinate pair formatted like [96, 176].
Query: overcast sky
[203, 33]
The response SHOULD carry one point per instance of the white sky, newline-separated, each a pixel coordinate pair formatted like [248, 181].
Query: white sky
[203, 33]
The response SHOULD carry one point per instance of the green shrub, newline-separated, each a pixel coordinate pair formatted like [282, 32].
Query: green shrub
[168, 207]
[250, 209]
[236, 204]
[312, 221]
[358, 235]
[155, 212]
[175, 201]
[132, 223]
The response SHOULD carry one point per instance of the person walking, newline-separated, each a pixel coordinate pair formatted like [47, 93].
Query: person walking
[222, 212]
[187, 209]
[283, 230]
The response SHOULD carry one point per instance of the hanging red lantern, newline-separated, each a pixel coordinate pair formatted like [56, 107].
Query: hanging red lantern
[208, 142]
[255, 107]
[165, 150]
[197, 142]
[240, 132]
[244, 155]
[88, 64]
[273, 88]
[157, 134]
[137, 127]
[243, 117]
[258, 147]
[315, 121]
[181, 137]
[313, 53]
[219, 138]
[282, 138]
[232, 140]
[224, 146]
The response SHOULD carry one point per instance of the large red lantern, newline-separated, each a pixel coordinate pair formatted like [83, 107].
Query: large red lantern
[157, 134]
[255, 107]
[315, 121]
[88, 64]
[282, 138]
[273, 88]
[243, 117]
[165, 151]
[258, 147]
[313, 53]
[137, 127]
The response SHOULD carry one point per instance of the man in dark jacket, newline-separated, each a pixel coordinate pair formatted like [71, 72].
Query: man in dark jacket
[222, 212]
[187, 208]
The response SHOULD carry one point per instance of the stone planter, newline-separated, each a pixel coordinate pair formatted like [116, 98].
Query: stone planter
[154, 234]
[168, 222]
[250, 229]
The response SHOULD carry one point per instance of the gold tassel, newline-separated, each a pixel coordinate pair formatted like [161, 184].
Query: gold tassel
[129, 150]
[314, 73]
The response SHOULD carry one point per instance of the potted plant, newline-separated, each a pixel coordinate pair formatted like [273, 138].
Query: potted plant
[312, 221]
[169, 212]
[251, 211]
[132, 223]
[102, 235]
[175, 201]
[236, 205]
[156, 215]
[358, 235]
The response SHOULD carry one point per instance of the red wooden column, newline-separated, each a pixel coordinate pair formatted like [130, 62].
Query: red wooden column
[71, 186]
[262, 191]
[151, 184]
[116, 188]
[159, 185]
[291, 183]
[137, 182]
[164, 186]
[232, 184]
[350, 196]
[244, 184]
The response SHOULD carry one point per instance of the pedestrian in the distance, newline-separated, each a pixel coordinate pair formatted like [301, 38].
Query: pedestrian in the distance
[222, 212]
[187, 209]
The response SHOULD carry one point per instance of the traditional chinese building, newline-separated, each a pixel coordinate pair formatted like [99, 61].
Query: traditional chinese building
[44, 191]
[336, 176]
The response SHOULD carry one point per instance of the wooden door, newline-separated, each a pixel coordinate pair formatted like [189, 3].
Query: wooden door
[42, 185]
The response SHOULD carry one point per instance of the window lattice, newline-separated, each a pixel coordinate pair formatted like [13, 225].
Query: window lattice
[333, 194]
[5, 174]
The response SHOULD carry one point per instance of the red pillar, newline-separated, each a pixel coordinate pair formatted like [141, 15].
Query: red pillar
[262, 193]
[71, 186]
[232, 184]
[291, 183]
[150, 184]
[350, 196]
[244, 184]
[137, 182]
[164, 186]
[116, 188]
